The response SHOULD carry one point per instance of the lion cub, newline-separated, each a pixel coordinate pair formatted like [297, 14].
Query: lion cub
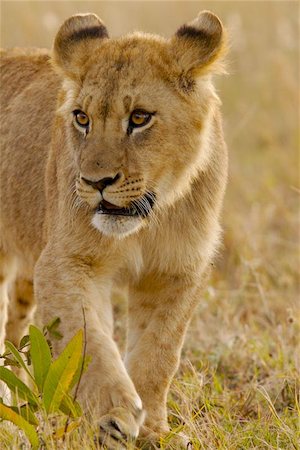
[113, 170]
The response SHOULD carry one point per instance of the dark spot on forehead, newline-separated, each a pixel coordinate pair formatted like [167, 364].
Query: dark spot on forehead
[119, 64]
[104, 109]
[134, 83]
[127, 100]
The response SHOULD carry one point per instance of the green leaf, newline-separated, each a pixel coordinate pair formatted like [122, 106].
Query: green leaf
[80, 370]
[7, 413]
[51, 328]
[17, 386]
[26, 412]
[40, 356]
[17, 357]
[61, 373]
[28, 357]
[24, 341]
[10, 362]
[53, 324]
[69, 406]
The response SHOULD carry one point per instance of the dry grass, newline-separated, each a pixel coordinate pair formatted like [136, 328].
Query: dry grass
[238, 384]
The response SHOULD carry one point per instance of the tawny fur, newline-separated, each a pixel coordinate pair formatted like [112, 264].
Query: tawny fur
[50, 232]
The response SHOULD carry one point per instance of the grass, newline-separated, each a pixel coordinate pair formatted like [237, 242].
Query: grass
[238, 384]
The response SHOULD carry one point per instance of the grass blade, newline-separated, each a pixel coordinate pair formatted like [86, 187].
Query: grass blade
[61, 431]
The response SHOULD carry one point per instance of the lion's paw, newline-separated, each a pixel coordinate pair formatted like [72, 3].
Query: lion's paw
[119, 427]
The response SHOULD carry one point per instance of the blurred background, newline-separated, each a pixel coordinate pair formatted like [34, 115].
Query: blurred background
[247, 318]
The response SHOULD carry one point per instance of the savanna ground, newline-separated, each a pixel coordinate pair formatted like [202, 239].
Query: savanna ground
[238, 383]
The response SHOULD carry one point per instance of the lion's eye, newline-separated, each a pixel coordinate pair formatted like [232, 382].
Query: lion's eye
[139, 118]
[81, 118]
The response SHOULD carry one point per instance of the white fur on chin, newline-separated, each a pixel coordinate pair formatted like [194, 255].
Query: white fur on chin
[118, 226]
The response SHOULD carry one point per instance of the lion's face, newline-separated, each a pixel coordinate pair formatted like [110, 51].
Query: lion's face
[136, 128]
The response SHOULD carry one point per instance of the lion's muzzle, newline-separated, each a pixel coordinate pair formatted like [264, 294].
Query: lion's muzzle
[138, 208]
[117, 195]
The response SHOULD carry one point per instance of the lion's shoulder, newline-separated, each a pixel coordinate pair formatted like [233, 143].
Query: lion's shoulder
[22, 61]
[20, 67]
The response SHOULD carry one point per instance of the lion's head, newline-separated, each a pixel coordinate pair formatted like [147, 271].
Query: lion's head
[137, 111]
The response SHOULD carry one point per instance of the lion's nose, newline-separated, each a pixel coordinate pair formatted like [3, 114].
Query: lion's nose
[101, 184]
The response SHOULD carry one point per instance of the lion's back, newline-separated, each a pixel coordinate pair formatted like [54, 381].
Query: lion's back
[28, 97]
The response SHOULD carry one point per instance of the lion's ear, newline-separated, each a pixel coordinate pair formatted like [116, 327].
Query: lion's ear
[199, 44]
[75, 41]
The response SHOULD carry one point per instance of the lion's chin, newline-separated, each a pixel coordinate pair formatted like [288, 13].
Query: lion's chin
[116, 226]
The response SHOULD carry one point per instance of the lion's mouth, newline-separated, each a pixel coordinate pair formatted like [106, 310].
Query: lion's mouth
[138, 208]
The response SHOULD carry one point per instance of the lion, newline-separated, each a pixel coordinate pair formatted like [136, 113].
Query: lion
[113, 172]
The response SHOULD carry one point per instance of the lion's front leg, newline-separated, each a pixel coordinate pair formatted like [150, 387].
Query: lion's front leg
[64, 286]
[159, 312]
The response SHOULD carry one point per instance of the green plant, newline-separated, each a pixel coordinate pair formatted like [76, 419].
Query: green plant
[50, 382]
